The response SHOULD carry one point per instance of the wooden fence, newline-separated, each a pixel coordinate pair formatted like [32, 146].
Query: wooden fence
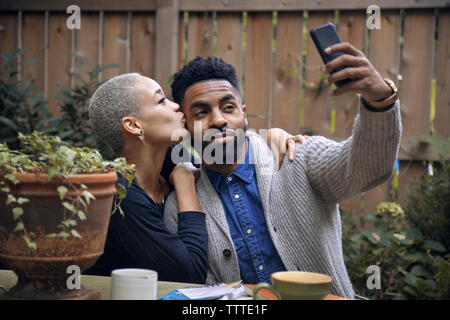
[268, 42]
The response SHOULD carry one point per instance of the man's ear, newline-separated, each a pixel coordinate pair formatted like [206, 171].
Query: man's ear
[244, 112]
[131, 126]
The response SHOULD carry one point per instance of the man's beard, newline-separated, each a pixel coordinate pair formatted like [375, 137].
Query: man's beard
[228, 152]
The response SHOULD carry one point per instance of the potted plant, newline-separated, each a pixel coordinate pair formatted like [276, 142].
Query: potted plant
[55, 204]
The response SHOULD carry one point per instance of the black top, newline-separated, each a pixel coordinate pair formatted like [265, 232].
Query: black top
[140, 239]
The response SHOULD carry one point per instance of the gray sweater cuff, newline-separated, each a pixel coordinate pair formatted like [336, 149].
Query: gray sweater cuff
[379, 125]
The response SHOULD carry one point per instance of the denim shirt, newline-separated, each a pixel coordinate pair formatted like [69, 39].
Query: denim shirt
[239, 193]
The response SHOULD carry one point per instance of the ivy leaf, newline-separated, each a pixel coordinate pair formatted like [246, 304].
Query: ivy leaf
[21, 200]
[87, 196]
[75, 233]
[19, 227]
[10, 199]
[17, 212]
[63, 235]
[62, 192]
[81, 215]
[69, 206]
[30, 244]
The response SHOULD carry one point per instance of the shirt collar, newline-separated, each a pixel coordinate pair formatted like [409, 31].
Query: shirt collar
[244, 171]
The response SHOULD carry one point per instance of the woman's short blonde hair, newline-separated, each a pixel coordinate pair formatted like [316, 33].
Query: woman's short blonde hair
[112, 101]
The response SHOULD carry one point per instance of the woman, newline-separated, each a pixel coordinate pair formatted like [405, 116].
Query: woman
[132, 115]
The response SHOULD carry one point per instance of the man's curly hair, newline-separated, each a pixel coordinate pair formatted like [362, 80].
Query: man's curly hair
[202, 69]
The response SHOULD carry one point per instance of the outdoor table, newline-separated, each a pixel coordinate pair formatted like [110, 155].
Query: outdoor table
[103, 284]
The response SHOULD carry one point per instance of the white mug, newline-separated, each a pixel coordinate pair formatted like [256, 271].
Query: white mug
[134, 284]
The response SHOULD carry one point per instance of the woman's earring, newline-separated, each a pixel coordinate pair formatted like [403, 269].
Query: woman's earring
[142, 137]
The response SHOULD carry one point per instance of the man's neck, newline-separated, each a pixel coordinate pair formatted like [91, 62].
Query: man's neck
[228, 168]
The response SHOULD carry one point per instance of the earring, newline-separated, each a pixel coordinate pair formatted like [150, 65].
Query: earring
[142, 137]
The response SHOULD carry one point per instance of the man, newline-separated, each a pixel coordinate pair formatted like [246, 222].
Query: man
[259, 223]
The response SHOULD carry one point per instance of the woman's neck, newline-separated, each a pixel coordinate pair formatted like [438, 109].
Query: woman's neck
[149, 161]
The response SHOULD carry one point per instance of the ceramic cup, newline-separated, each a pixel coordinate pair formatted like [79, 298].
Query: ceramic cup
[134, 284]
[297, 285]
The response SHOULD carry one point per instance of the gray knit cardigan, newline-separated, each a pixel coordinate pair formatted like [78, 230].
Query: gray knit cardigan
[300, 200]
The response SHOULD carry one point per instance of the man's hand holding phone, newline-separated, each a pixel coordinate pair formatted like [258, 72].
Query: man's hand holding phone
[366, 80]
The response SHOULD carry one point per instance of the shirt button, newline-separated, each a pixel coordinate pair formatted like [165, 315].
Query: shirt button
[236, 196]
[249, 231]
[227, 253]
[261, 267]
[229, 178]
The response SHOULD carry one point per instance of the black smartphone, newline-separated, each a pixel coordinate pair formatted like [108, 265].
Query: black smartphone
[325, 36]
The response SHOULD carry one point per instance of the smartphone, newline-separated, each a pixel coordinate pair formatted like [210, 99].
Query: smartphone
[325, 36]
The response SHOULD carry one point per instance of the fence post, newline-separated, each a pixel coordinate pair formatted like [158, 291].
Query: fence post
[166, 38]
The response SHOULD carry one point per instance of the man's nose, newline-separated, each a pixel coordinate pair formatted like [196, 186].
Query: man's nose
[217, 120]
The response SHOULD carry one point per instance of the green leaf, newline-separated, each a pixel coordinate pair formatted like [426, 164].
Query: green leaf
[75, 233]
[17, 212]
[63, 235]
[81, 215]
[414, 234]
[69, 206]
[62, 192]
[433, 245]
[31, 244]
[19, 226]
[10, 199]
[87, 196]
[9, 123]
[418, 270]
[69, 223]
[21, 200]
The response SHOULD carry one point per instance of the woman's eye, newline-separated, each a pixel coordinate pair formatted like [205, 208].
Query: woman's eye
[162, 101]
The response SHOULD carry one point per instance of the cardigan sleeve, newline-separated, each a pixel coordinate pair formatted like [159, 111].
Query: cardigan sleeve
[341, 170]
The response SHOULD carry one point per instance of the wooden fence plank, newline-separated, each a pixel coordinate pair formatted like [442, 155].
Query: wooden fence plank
[229, 41]
[33, 23]
[292, 5]
[352, 29]
[416, 69]
[384, 51]
[410, 173]
[115, 43]
[286, 85]
[442, 116]
[200, 35]
[181, 41]
[86, 44]
[317, 106]
[59, 48]
[258, 69]
[143, 44]
[166, 41]
[218, 5]
[8, 36]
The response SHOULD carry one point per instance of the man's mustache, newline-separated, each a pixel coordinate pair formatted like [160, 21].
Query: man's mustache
[211, 134]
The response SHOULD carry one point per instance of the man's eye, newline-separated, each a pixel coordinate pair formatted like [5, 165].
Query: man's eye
[229, 107]
[162, 101]
[200, 113]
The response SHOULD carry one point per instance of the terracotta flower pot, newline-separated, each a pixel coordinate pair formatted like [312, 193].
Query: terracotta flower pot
[43, 272]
